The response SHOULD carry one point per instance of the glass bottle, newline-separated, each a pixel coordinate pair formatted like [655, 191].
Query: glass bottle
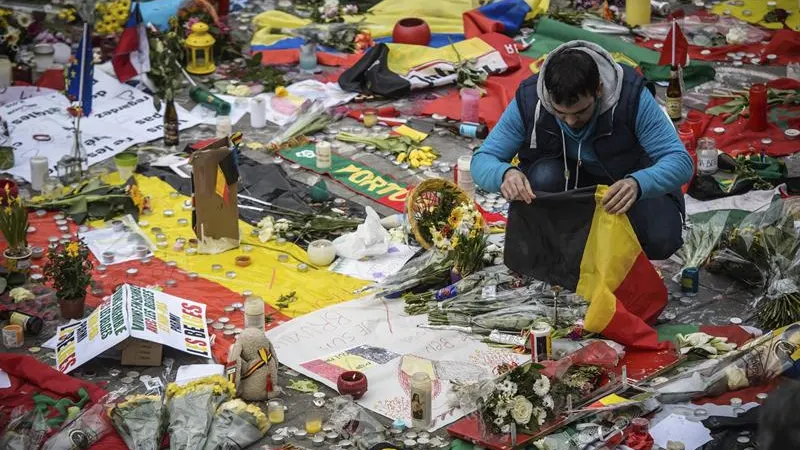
[29, 323]
[171, 124]
[308, 56]
[707, 156]
[674, 95]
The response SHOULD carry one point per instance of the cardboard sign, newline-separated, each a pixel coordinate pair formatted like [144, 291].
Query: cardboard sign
[139, 313]
[215, 181]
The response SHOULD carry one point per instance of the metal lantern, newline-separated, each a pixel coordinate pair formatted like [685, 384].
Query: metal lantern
[200, 50]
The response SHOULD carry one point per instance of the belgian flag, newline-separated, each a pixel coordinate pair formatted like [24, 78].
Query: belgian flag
[568, 239]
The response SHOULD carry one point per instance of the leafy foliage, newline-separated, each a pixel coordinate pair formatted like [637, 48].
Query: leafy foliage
[166, 59]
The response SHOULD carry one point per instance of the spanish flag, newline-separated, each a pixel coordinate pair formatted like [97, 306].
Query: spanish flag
[568, 239]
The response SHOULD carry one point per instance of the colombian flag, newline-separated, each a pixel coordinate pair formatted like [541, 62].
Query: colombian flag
[568, 239]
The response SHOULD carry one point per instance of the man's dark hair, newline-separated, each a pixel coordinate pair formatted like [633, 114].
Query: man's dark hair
[779, 425]
[570, 75]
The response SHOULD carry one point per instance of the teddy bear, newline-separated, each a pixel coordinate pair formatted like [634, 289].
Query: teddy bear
[253, 366]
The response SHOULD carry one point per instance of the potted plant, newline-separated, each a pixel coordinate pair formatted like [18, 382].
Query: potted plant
[14, 226]
[69, 268]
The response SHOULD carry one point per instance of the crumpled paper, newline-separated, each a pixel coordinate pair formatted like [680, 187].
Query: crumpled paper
[369, 239]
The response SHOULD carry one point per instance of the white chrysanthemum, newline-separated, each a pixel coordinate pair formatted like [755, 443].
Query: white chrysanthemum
[501, 410]
[509, 388]
[542, 386]
[547, 401]
[539, 414]
[521, 409]
[498, 421]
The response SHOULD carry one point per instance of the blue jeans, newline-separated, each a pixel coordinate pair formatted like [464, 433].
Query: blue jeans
[658, 222]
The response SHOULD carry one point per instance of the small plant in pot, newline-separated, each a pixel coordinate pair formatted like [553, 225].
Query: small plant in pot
[14, 226]
[70, 270]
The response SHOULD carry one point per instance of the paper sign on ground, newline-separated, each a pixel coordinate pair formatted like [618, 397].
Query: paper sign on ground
[281, 109]
[139, 313]
[122, 243]
[121, 117]
[678, 428]
[376, 268]
[376, 337]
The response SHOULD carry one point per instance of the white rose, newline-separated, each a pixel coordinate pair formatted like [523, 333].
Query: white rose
[521, 409]
[265, 234]
[542, 386]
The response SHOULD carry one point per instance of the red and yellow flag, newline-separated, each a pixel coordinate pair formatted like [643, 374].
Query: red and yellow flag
[568, 239]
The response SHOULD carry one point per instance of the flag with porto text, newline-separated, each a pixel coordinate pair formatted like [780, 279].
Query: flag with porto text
[568, 239]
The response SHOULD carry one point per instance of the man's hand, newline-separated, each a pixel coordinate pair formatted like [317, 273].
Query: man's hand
[516, 187]
[621, 196]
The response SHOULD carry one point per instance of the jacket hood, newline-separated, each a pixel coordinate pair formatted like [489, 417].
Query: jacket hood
[610, 75]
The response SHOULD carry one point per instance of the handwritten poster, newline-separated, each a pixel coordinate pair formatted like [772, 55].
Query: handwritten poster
[122, 116]
[139, 313]
[376, 337]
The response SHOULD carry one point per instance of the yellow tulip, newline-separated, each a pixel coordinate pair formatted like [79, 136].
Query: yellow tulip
[401, 157]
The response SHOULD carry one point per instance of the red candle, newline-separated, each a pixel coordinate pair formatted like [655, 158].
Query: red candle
[222, 7]
[695, 121]
[687, 136]
[758, 107]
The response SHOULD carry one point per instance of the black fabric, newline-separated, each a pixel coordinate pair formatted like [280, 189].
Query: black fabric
[727, 430]
[266, 182]
[658, 222]
[545, 240]
[229, 169]
[371, 76]
[615, 143]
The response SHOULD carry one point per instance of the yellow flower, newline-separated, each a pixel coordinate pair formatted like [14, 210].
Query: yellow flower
[455, 217]
[5, 12]
[72, 249]
[401, 157]
[281, 91]
[7, 210]
[454, 241]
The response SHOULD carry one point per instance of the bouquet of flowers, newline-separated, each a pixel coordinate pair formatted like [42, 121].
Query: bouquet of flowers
[403, 148]
[764, 249]
[463, 236]
[418, 303]
[138, 420]
[236, 425]
[429, 268]
[191, 409]
[701, 238]
[522, 397]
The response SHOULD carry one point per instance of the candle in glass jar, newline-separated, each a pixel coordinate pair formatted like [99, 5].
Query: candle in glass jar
[275, 412]
[707, 156]
[321, 252]
[323, 154]
[254, 313]
[369, 117]
[314, 421]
